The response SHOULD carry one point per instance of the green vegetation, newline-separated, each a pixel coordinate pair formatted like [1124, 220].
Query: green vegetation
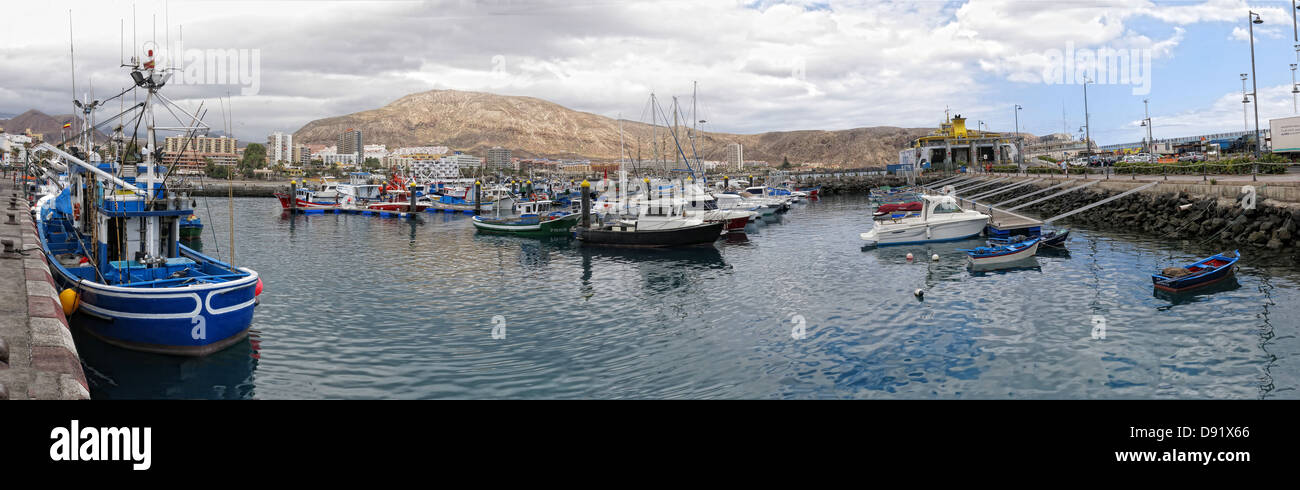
[216, 171]
[1046, 158]
[254, 158]
[1268, 164]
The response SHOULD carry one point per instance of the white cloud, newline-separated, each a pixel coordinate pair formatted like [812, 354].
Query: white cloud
[761, 66]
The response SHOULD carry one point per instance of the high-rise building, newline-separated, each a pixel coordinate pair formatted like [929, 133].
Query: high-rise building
[350, 143]
[279, 148]
[498, 158]
[301, 155]
[736, 156]
[195, 152]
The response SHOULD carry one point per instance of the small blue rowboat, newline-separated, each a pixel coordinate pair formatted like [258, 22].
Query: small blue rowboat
[1201, 273]
[1001, 254]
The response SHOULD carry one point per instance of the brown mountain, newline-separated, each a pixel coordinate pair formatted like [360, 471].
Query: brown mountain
[41, 123]
[475, 121]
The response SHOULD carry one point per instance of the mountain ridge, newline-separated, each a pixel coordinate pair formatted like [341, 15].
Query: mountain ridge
[533, 127]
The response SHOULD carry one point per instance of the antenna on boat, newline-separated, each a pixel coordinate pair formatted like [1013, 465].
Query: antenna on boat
[72, 59]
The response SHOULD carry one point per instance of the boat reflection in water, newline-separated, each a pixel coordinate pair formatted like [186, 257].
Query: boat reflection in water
[119, 373]
[664, 270]
[1025, 264]
[1196, 295]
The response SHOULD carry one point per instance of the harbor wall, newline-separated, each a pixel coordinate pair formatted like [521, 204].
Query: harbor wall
[238, 189]
[38, 358]
[1204, 214]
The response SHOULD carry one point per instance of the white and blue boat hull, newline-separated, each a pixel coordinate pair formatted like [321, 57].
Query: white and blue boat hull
[191, 320]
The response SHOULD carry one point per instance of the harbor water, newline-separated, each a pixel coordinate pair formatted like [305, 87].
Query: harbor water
[369, 307]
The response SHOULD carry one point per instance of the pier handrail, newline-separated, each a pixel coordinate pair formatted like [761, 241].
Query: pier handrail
[999, 190]
[1037, 192]
[1064, 192]
[1099, 203]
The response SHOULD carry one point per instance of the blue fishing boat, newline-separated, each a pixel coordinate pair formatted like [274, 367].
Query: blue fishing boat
[111, 236]
[1054, 238]
[1201, 273]
[1001, 254]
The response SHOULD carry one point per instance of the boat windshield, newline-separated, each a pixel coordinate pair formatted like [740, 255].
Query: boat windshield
[946, 207]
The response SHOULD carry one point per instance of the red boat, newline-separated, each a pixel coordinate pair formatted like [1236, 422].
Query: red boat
[303, 197]
[813, 191]
[898, 207]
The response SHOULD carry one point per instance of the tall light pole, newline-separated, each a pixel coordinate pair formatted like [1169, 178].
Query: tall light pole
[1252, 19]
[1294, 91]
[1087, 124]
[1019, 148]
[1146, 123]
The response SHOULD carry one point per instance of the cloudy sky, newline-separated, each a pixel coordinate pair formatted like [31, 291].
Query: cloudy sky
[761, 65]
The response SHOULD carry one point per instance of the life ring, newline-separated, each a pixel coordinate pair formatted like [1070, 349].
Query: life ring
[76, 211]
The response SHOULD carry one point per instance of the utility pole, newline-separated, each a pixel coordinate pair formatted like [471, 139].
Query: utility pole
[1253, 19]
[1245, 113]
[1020, 158]
[1087, 125]
[1146, 122]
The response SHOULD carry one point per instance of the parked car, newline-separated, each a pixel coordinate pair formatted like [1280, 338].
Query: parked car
[1192, 156]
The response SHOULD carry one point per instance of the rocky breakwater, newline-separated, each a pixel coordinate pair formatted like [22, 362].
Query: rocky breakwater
[1221, 222]
[855, 185]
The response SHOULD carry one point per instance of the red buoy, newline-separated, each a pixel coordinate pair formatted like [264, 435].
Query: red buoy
[258, 290]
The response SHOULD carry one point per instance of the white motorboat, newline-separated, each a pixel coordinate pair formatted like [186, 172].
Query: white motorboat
[941, 219]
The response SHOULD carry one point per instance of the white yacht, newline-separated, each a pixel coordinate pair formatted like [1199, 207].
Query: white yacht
[941, 219]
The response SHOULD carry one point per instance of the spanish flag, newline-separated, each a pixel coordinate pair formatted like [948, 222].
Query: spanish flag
[66, 126]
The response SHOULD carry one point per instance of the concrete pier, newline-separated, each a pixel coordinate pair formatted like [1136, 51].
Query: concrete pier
[38, 359]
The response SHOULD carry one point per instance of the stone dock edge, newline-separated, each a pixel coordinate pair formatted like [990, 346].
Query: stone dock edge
[43, 364]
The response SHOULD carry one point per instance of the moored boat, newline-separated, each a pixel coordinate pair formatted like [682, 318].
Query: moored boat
[302, 198]
[553, 224]
[941, 219]
[1201, 273]
[112, 242]
[625, 233]
[191, 227]
[1002, 254]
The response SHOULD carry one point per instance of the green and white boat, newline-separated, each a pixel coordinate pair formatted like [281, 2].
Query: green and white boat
[553, 224]
[535, 219]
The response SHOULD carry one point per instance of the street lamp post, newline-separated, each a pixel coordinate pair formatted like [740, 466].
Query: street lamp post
[1087, 122]
[1146, 123]
[1020, 158]
[1252, 19]
[1245, 100]
[1294, 91]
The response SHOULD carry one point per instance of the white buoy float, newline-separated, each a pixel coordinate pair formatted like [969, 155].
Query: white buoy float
[934, 257]
[919, 294]
[909, 256]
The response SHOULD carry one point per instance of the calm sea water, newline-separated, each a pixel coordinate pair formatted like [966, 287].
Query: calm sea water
[368, 307]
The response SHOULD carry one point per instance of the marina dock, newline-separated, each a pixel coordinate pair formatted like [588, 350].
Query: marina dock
[38, 359]
[989, 193]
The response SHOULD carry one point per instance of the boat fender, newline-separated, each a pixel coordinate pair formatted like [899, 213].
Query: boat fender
[934, 257]
[70, 300]
[919, 294]
[927, 233]
[909, 256]
[257, 291]
[76, 210]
